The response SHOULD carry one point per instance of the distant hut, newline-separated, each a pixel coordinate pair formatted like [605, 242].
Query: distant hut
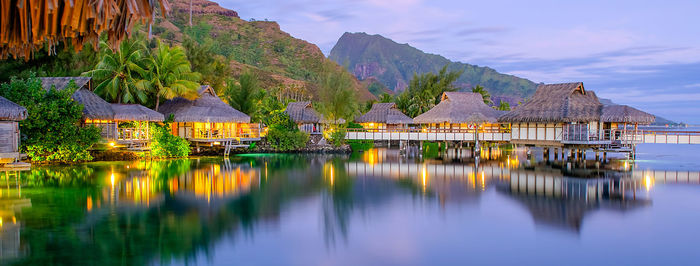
[384, 116]
[10, 114]
[208, 119]
[616, 118]
[556, 114]
[121, 123]
[306, 118]
[462, 111]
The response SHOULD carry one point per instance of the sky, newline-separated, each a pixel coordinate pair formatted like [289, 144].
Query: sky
[642, 53]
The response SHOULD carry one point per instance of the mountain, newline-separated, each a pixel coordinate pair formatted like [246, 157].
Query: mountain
[278, 59]
[393, 65]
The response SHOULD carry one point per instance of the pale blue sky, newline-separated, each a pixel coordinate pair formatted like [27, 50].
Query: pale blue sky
[629, 51]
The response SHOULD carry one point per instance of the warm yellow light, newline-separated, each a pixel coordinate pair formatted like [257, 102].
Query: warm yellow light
[371, 124]
[0, 221]
[648, 182]
[425, 177]
[112, 179]
[217, 143]
[332, 177]
[111, 144]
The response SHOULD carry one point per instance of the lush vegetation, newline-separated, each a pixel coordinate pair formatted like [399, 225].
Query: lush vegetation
[398, 62]
[425, 90]
[51, 132]
[166, 145]
[484, 94]
[283, 134]
[245, 95]
[338, 100]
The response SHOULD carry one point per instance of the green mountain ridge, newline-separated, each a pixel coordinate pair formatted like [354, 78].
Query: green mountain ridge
[394, 64]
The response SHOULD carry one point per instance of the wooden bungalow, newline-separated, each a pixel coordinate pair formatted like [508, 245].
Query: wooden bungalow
[207, 119]
[119, 123]
[306, 118]
[384, 116]
[460, 111]
[617, 119]
[10, 114]
[557, 114]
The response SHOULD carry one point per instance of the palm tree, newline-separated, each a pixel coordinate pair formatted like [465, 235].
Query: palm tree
[503, 106]
[484, 93]
[244, 96]
[170, 74]
[119, 71]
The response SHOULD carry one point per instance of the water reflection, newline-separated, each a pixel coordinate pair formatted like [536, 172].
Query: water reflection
[182, 210]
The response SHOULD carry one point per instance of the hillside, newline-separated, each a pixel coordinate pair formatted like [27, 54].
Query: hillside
[393, 65]
[279, 59]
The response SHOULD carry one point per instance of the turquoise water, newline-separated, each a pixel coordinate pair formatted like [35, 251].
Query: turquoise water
[374, 208]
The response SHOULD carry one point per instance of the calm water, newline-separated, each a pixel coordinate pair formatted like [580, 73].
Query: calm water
[375, 208]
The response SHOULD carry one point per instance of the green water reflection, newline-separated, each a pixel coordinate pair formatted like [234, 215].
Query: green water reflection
[134, 213]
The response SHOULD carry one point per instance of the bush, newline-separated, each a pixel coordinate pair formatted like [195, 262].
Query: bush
[282, 139]
[166, 145]
[360, 144]
[337, 137]
[51, 132]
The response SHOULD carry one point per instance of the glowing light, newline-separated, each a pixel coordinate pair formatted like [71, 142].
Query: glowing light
[0, 221]
[111, 144]
[111, 178]
[425, 177]
[217, 143]
[332, 175]
[89, 203]
[648, 182]
[14, 220]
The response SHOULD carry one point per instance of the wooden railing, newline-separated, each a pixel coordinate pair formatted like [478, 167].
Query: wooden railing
[427, 130]
[132, 134]
[239, 133]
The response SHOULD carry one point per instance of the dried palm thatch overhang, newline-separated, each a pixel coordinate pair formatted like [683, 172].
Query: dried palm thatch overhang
[459, 108]
[625, 114]
[207, 108]
[303, 113]
[10, 111]
[557, 103]
[94, 107]
[135, 112]
[28, 25]
[385, 113]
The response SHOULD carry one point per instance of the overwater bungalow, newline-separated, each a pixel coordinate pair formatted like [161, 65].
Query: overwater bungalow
[460, 111]
[617, 118]
[207, 119]
[120, 123]
[10, 115]
[306, 118]
[384, 116]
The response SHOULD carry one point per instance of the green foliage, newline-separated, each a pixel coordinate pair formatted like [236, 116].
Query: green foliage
[166, 145]
[386, 98]
[338, 99]
[360, 144]
[204, 60]
[425, 90]
[170, 74]
[337, 136]
[245, 95]
[484, 94]
[503, 106]
[280, 119]
[66, 62]
[51, 131]
[283, 134]
[119, 70]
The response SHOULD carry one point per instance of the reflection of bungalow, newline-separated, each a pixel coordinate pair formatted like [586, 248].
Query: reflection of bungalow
[306, 118]
[384, 116]
[10, 114]
[123, 123]
[208, 119]
[462, 111]
[567, 114]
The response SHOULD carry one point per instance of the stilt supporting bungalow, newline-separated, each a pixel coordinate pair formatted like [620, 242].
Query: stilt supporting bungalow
[209, 120]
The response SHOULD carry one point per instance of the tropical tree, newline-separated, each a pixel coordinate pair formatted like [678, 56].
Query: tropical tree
[424, 91]
[245, 95]
[119, 71]
[170, 74]
[204, 60]
[484, 93]
[338, 99]
[386, 98]
[503, 106]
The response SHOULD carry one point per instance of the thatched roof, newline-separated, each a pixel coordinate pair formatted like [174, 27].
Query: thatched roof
[303, 112]
[386, 113]
[459, 107]
[10, 111]
[625, 114]
[94, 106]
[206, 108]
[26, 26]
[135, 112]
[553, 103]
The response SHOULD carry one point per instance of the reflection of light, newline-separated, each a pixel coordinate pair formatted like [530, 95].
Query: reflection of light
[89, 203]
[332, 175]
[112, 179]
[425, 177]
[627, 165]
[483, 182]
[14, 220]
[648, 182]
[0, 221]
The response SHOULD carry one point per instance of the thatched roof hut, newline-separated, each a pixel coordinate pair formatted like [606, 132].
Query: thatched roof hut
[459, 107]
[303, 113]
[135, 112]
[625, 114]
[207, 108]
[556, 103]
[10, 111]
[94, 107]
[385, 113]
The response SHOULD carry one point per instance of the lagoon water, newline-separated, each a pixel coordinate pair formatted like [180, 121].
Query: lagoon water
[371, 208]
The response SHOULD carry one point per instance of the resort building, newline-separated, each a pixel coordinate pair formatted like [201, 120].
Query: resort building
[10, 114]
[207, 119]
[384, 116]
[120, 123]
[460, 112]
[306, 118]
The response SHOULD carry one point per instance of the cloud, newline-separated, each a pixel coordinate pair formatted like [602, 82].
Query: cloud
[482, 30]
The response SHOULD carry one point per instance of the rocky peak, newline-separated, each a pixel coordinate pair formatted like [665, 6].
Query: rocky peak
[201, 7]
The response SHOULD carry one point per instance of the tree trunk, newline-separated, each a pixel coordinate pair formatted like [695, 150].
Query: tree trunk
[190, 13]
[157, 103]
